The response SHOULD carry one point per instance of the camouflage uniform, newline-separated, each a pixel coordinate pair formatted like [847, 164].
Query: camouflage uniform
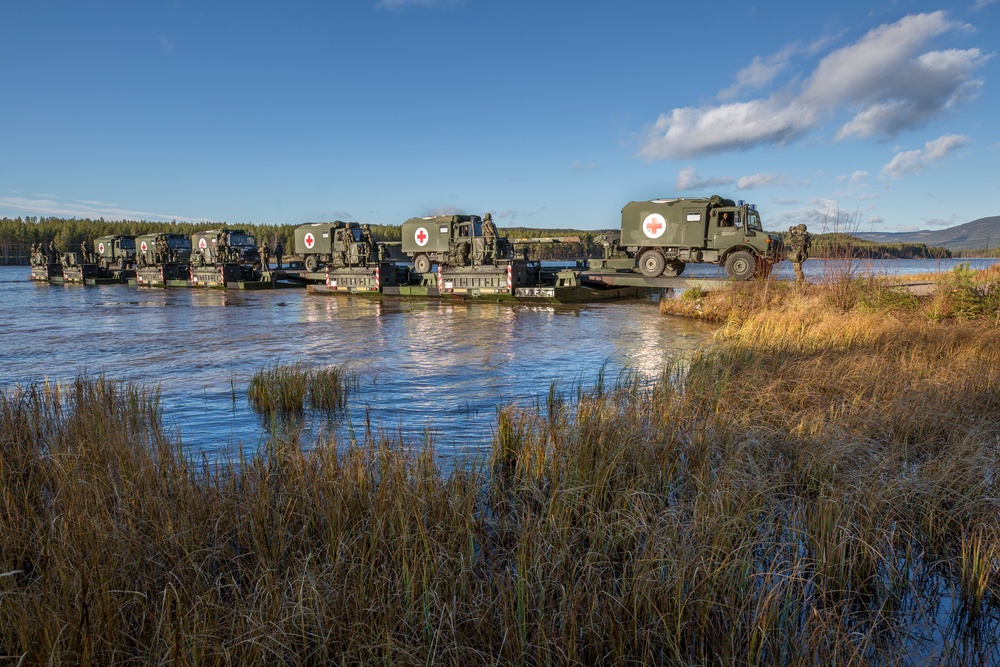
[369, 238]
[265, 256]
[222, 251]
[279, 250]
[490, 235]
[800, 241]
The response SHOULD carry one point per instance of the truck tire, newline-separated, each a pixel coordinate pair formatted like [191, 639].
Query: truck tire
[311, 263]
[421, 264]
[741, 265]
[674, 269]
[652, 263]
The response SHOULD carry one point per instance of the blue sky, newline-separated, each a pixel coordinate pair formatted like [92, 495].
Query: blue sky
[548, 113]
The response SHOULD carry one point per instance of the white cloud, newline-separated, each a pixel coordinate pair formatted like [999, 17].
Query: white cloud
[52, 205]
[982, 4]
[885, 80]
[760, 72]
[915, 161]
[688, 179]
[760, 180]
[444, 210]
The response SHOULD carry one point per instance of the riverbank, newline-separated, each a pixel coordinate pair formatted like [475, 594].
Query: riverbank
[819, 486]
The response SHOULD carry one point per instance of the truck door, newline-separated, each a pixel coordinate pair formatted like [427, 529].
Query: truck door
[725, 227]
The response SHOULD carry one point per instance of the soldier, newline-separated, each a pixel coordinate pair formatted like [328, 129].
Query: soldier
[279, 250]
[800, 242]
[725, 220]
[369, 238]
[162, 251]
[489, 229]
[489, 235]
[52, 255]
[265, 256]
[222, 250]
[84, 252]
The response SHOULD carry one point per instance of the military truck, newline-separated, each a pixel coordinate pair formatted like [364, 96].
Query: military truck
[336, 245]
[659, 237]
[114, 252]
[223, 246]
[451, 241]
[162, 249]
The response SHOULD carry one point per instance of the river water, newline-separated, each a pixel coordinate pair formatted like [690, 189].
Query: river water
[425, 368]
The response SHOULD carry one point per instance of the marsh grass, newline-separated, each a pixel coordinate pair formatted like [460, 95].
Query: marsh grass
[280, 390]
[818, 487]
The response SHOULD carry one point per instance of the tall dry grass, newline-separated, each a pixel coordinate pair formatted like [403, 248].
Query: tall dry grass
[819, 487]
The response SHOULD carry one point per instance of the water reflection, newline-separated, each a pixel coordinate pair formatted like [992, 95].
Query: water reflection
[425, 368]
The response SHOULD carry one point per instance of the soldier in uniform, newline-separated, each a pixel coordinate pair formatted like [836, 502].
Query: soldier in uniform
[369, 238]
[800, 242]
[265, 256]
[52, 256]
[84, 252]
[489, 235]
[279, 250]
[162, 251]
[222, 250]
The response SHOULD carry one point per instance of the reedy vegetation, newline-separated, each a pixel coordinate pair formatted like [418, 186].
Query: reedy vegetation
[818, 487]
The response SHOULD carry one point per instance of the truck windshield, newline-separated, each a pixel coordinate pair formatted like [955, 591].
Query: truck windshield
[179, 243]
[753, 221]
[127, 244]
[242, 241]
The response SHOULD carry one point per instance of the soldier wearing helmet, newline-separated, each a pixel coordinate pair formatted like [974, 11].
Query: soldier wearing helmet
[368, 238]
[799, 242]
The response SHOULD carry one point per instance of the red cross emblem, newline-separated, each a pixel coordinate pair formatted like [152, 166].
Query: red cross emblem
[100, 248]
[654, 225]
[421, 237]
[143, 246]
[202, 243]
[310, 240]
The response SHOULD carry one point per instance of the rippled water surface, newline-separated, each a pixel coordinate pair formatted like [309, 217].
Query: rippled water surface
[424, 366]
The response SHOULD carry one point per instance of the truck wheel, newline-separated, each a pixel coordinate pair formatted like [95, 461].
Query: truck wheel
[651, 263]
[421, 264]
[741, 265]
[674, 269]
[311, 263]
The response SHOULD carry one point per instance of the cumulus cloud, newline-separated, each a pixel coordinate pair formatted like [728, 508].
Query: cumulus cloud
[915, 161]
[688, 179]
[47, 204]
[886, 81]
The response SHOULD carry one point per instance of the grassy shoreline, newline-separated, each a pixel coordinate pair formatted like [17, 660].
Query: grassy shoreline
[820, 486]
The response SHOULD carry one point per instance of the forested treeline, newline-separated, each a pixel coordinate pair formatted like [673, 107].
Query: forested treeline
[840, 246]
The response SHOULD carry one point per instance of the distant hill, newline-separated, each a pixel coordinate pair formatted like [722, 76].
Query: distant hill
[975, 235]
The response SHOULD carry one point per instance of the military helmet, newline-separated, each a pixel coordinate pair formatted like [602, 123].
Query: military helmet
[801, 227]
[489, 216]
[366, 226]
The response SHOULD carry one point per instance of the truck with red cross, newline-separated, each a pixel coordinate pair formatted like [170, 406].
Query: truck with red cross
[659, 237]
[452, 241]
